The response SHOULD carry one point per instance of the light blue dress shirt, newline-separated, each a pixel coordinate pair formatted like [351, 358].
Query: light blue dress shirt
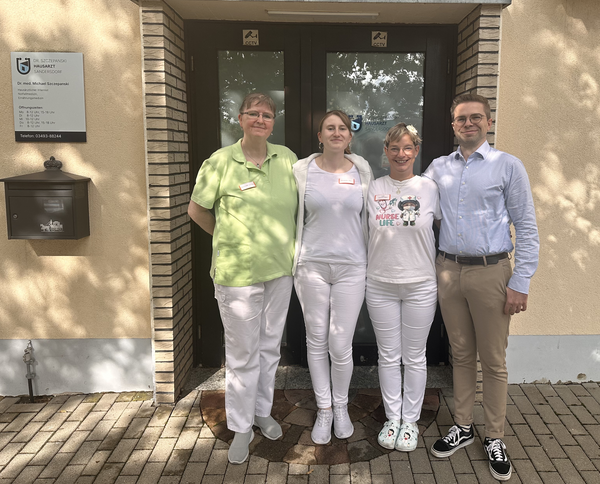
[479, 199]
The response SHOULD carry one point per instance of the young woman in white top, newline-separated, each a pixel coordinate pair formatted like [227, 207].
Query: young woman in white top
[401, 283]
[330, 266]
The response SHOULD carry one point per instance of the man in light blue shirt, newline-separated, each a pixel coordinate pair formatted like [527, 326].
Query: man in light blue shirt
[482, 191]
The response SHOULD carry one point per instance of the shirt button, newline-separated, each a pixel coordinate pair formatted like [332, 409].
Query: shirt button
[463, 183]
[460, 216]
[462, 200]
[460, 251]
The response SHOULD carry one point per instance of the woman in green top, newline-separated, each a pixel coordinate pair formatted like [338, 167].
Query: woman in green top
[251, 186]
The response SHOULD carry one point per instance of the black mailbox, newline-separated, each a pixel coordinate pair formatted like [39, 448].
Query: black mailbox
[50, 204]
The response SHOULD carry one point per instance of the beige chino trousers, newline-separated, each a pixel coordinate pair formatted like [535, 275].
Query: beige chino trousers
[472, 300]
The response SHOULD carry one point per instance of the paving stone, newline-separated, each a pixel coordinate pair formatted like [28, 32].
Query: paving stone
[381, 465]
[116, 410]
[19, 423]
[551, 478]
[56, 465]
[136, 428]
[8, 417]
[217, 463]
[444, 418]
[460, 462]
[202, 450]
[558, 405]
[443, 472]
[401, 472]
[377, 479]
[55, 422]
[128, 414]
[568, 473]
[194, 418]
[26, 408]
[136, 462]
[8, 402]
[81, 480]
[592, 405]
[537, 425]
[162, 450]
[579, 459]
[45, 455]
[525, 435]
[362, 450]
[47, 412]
[5, 438]
[235, 473]
[16, 465]
[567, 396]
[96, 463]
[160, 417]
[101, 430]
[194, 471]
[146, 410]
[419, 462]
[28, 475]
[109, 473]
[81, 412]
[589, 446]
[218, 479]
[524, 405]
[526, 471]
[126, 479]
[424, 479]
[106, 401]
[513, 446]
[594, 431]
[339, 469]
[591, 477]
[122, 451]
[187, 438]
[72, 403]
[513, 415]
[112, 439]
[149, 438]
[184, 405]
[482, 471]
[70, 474]
[85, 453]
[90, 422]
[297, 480]
[277, 473]
[75, 441]
[257, 465]
[28, 432]
[173, 427]
[552, 448]
[583, 415]
[360, 473]
[546, 389]
[467, 479]
[562, 434]
[64, 432]
[298, 469]
[539, 459]
[177, 462]
[533, 394]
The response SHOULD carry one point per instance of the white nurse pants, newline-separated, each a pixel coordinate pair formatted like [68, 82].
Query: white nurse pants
[253, 319]
[402, 315]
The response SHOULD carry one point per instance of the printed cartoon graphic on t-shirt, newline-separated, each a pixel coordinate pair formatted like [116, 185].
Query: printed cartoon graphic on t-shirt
[394, 212]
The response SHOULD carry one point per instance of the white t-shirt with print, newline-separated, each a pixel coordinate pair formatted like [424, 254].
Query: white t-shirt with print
[401, 240]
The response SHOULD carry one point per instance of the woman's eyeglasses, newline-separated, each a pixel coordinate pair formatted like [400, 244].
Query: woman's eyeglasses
[256, 115]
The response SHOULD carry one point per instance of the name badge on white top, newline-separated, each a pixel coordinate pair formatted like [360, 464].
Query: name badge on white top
[246, 186]
[346, 180]
[382, 197]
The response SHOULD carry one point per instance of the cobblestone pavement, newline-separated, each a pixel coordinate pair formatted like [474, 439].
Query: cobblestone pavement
[552, 435]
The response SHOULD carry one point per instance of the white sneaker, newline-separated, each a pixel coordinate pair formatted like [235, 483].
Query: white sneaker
[342, 426]
[389, 433]
[321, 432]
[408, 437]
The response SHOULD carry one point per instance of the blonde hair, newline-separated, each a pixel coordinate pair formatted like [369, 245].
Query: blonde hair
[396, 132]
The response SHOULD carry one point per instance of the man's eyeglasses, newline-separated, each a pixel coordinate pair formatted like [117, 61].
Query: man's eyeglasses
[474, 118]
[256, 115]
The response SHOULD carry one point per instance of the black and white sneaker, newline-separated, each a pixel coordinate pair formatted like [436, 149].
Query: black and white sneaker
[500, 465]
[456, 439]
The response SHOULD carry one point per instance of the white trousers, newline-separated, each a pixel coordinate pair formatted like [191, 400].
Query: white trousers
[402, 315]
[253, 318]
[331, 296]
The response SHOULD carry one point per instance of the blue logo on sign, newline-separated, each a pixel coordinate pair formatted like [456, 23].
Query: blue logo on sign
[356, 122]
[23, 66]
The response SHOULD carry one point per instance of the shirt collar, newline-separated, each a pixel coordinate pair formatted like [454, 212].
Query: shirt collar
[483, 151]
[238, 154]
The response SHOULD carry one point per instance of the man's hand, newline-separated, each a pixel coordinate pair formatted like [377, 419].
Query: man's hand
[515, 302]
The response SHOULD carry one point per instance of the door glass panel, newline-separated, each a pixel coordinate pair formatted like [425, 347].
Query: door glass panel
[243, 72]
[377, 91]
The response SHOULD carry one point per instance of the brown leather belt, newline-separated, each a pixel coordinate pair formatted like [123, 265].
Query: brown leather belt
[475, 261]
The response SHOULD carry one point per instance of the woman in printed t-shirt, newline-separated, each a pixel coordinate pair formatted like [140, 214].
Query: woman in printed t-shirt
[401, 283]
[330, 266]
[252, 188]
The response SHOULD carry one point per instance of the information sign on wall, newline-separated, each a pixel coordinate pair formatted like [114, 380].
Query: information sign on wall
[48, 96]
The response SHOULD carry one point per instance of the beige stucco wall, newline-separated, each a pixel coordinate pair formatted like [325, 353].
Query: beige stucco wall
[97, 287]
[548, 115]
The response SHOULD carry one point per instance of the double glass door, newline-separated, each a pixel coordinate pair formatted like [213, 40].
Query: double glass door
[379, 75]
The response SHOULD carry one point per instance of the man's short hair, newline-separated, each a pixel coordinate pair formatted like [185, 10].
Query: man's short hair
[471, 98]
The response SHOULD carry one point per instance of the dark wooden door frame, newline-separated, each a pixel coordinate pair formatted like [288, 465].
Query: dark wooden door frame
[305, 48]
